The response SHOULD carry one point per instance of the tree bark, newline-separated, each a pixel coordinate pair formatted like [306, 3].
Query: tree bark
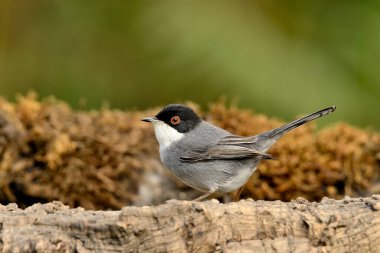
[348, 225]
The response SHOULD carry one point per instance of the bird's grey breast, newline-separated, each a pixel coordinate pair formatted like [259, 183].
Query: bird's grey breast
[200, 138]
[226, 175]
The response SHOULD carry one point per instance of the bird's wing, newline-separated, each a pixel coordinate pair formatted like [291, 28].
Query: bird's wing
[230, 147]
[238, 140]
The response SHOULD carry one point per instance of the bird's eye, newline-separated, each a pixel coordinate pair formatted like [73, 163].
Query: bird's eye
[175, 120]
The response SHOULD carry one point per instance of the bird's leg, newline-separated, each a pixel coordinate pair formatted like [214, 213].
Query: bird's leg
[239, 193]
[208, 194]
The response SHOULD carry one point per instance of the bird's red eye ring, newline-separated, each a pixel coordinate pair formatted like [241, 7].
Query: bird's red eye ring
[175, 120]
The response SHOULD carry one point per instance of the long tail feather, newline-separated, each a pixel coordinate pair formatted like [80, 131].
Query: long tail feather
[267, 139]
[299, 122]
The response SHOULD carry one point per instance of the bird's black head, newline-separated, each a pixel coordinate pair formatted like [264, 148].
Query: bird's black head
[180, 117]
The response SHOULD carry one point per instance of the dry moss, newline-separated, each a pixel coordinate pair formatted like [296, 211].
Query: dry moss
[334, 162]
[97, 159]
[89, 159]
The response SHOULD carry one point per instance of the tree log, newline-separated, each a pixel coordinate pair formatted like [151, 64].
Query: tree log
[348, 225]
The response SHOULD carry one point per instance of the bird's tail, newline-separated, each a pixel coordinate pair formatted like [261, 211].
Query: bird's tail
[268, 138]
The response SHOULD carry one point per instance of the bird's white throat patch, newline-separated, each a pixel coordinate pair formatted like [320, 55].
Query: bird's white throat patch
[165, 134]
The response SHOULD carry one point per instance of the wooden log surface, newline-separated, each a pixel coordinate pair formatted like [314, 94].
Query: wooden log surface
[348, 225]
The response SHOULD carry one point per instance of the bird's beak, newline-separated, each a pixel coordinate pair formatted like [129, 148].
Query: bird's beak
[150, 119]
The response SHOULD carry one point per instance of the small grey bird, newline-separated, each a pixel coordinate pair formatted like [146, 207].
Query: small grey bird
[209, 158]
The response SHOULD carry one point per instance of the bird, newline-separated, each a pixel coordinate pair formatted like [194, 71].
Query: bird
[209, 158]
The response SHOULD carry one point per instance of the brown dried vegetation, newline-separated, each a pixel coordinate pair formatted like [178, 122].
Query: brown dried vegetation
[337, 161]
[90, 159]
[96, 159]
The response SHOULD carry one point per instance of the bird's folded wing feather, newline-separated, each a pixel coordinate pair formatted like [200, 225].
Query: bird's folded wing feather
[230, 147]
[237, 140]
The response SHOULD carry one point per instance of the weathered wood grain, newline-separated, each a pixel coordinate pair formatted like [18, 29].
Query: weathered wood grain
[349, 225]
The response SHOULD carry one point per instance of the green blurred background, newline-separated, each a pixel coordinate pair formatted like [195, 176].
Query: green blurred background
[282, 58]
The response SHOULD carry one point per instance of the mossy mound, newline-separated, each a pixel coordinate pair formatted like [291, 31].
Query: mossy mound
[336, 161]
[90, 159]
[97, 159]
